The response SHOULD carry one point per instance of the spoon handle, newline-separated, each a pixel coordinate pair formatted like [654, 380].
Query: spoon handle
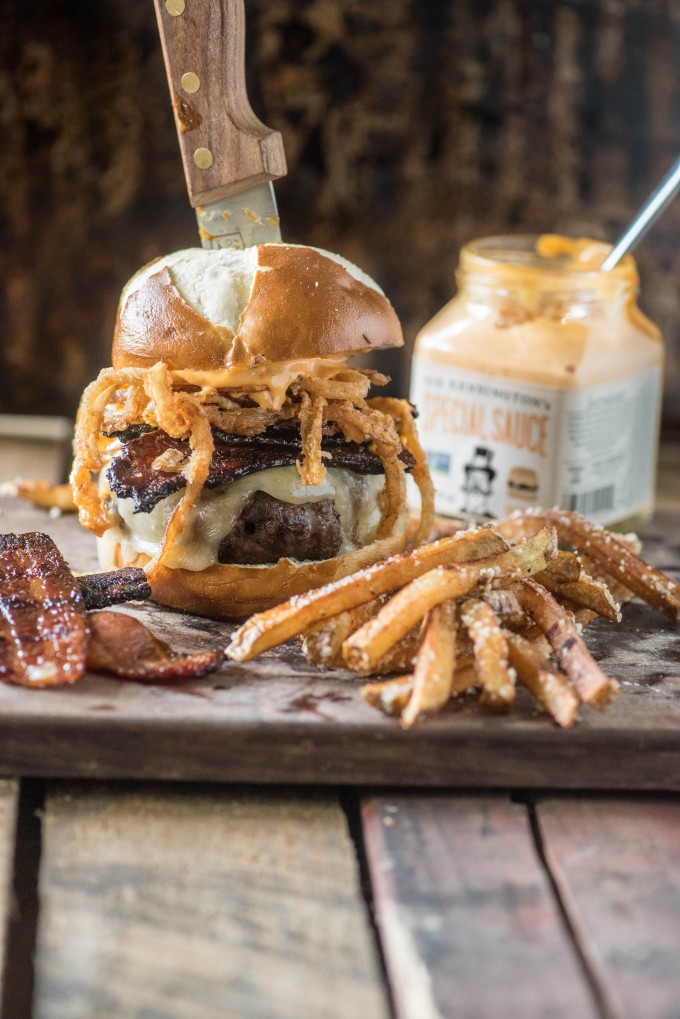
[654, 205]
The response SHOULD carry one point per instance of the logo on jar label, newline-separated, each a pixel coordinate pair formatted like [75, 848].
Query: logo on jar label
[509, 444]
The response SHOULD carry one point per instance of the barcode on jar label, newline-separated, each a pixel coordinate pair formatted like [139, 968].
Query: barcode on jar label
[588, 503]
[495, 445]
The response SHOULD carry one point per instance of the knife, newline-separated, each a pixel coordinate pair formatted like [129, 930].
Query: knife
[230, 157]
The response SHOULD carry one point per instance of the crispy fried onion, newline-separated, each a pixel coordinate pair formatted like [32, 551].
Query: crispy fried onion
[401, 411]
[88, 457]
[311, 468]
[178, 414]
[125, 406]
[380, 428]
[153, 397]
[229, 416]
[348, 385]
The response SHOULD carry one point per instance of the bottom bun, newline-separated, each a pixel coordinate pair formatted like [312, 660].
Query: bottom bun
[233, 592]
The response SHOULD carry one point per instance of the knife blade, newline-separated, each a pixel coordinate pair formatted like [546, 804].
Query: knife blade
[230, 157]
[250, 217]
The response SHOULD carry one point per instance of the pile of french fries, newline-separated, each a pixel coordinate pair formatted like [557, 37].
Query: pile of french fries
[478, 610]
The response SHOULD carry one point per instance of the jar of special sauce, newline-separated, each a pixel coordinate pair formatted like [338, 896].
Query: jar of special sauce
[540, 384]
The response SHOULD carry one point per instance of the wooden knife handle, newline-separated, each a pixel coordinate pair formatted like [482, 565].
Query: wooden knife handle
[225, 148]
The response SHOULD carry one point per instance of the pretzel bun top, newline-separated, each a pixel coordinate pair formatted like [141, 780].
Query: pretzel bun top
[211, 309]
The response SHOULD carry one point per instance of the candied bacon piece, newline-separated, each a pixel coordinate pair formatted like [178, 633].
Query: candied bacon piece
[122, 645]
[113, 588]
[132, 475]
[43, 623]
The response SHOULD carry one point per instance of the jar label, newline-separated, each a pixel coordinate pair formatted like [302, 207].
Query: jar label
[495, 445]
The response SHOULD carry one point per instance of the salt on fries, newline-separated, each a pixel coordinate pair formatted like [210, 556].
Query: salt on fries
[435, 664]
[543, 679]
[271, 628]
[477, 610]
[610, 552]
[403, 611]
[323, 644]
[591, 684]
[490, 644]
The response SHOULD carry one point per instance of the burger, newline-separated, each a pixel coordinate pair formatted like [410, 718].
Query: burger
[522, 485]
[232, 449]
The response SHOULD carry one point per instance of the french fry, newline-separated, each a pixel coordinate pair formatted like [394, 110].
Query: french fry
[535, 636]
[364, 648]
[619, 592]
[443, 527]
[582, 617]
[615, 557]
[268, 629]
[42, 494]
[585, 593]
[323, 644]
[465, 679]
[391, 695]
[543, 679]
[401, 656]
[520, 605]
[491, 653]
[518, 526]
[592, 685]
[435, 664]
[566, 566]
[504, 603]
[632, 541]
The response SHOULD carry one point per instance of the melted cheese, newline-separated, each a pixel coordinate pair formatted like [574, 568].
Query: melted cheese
[276, 376]
[355, 498]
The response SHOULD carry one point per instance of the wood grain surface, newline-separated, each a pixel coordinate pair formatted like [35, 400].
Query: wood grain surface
[209, 42]
[9, 794]
[280, 719]
[616, 864]
[408, 128]
[177, 904]
[469, 925]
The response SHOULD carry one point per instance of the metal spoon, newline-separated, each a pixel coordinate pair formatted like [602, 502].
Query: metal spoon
[654, 205]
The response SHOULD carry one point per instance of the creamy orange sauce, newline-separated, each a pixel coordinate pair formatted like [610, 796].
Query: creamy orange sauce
[547, 315]
[542, 367]
[274, 376]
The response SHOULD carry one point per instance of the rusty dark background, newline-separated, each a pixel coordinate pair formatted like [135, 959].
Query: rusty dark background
[409, 127]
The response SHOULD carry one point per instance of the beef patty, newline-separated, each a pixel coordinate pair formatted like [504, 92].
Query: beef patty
[268, 529]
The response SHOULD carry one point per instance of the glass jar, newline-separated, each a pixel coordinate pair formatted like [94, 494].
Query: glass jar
[540, 384]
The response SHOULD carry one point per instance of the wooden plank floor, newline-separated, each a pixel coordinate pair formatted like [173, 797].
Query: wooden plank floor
[176, 903]
[466, 913]
[569, 907]
[181, 904]
[616, 864]
[9, 793]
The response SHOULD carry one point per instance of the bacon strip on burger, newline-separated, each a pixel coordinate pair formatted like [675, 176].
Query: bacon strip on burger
[240, 458]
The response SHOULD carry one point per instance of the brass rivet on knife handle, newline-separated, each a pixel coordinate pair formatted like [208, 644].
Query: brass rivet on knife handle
[245, 152]
[190, 82]
[175, 7]
[203, 158]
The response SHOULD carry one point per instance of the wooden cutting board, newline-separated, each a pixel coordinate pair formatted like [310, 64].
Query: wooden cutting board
[281, 720]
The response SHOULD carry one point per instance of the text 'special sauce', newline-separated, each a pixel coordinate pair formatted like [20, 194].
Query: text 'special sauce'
[540, 384]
